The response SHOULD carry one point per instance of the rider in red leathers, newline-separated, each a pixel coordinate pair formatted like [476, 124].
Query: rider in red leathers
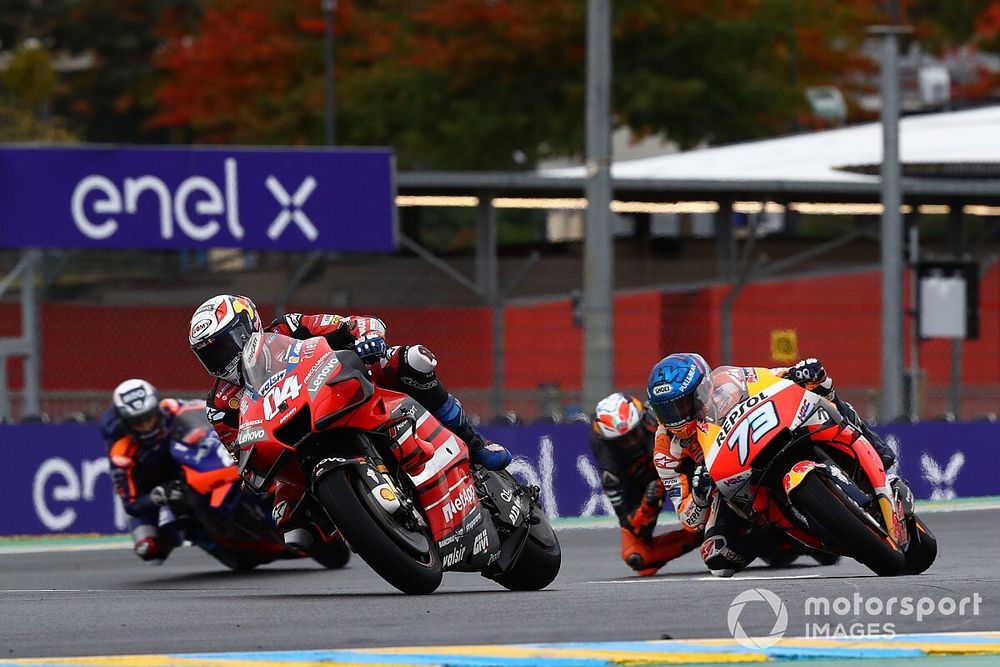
[222, 325]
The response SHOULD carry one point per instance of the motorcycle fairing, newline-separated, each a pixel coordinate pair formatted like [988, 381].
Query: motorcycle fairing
[338, 395]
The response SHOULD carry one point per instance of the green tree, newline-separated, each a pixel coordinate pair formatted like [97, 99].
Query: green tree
[499, 84]
[30, 79]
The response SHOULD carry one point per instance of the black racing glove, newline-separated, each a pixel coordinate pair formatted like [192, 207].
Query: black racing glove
[170, 493]
[702, 486]
[653, 495]
[807, 372]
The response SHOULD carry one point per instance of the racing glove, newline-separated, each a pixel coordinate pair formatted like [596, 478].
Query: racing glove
[809, 373]
[701, 487]
[371, 347]
[166, 494]
[643, 520]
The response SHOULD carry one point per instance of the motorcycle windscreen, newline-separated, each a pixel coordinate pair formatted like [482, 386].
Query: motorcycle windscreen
[750, 426]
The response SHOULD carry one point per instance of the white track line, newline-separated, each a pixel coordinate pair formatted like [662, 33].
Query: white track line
[673, 579]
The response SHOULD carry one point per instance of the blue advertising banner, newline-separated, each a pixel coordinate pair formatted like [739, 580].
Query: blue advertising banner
[56, 476]
[197, 197]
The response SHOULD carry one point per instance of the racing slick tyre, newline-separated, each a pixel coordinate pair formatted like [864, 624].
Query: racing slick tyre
[922, 549]
[853, 531]
[538, 564]
[234, 561]
[332, 555]
[405, 556]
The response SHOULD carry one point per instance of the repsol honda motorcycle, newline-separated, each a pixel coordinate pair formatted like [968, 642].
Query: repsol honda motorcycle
[208, 508]
[784, 457]
[376, 466]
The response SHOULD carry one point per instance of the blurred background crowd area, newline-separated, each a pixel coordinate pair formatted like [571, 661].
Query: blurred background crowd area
[109, 315]
[498, 85]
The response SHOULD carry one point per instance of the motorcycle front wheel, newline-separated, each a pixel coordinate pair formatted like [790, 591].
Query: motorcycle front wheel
[829, 508]
[405, 556]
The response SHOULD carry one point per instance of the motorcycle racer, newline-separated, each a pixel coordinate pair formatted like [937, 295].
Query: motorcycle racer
[222, 325]
[729, 545]
[622, 442]
[140, 428]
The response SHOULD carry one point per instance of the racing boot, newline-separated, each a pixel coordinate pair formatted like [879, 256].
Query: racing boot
[482, 450]
[150, 546]
[880, 446]
[647, 556]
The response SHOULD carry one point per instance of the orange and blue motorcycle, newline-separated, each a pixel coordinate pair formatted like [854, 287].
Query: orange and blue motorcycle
[784, 458]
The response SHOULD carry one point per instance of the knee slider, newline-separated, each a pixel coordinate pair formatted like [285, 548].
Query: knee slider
[420, 359]
[150, 548]
[635, 561]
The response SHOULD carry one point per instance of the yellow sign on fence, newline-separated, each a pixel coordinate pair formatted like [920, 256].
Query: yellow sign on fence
[784, 345]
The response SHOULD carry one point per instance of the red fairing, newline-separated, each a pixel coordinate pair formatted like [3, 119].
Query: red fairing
[436, 460]
[758, 423]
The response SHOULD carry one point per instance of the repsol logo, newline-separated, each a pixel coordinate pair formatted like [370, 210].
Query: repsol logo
[734, 416]
[458, 503]
[199, 208]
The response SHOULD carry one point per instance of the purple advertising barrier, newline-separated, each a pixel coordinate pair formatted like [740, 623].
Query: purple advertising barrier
[56, 481]
[939, 460]
[197, 197]
[56, 476]
[943, 461]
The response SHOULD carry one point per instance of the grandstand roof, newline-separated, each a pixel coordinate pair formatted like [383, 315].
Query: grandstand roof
[946, 155]
[959, 144]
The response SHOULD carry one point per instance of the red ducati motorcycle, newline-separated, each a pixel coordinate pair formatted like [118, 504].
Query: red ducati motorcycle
[376, 466]
[783, 457]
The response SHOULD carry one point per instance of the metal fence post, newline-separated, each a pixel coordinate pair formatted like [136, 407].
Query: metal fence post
[598, 246]
[31, 335]
[488, 281]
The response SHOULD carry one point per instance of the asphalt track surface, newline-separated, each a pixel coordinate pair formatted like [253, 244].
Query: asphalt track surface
[105, 602]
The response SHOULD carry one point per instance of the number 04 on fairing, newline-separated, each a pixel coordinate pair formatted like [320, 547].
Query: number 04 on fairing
[374, 465]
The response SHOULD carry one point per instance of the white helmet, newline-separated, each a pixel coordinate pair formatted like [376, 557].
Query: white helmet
[220, 328]
[620, 415]
[135, 402]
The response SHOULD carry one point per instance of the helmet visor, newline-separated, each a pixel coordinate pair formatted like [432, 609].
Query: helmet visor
[677, 412]
[220, 355]
[691, 406]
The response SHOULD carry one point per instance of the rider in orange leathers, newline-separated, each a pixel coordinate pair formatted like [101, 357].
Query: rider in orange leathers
[622, 443]
[728, 545]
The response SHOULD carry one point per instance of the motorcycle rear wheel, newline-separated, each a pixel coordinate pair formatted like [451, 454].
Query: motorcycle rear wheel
[331, 555]
[840, 518]
[350, 506]
[539, 562]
